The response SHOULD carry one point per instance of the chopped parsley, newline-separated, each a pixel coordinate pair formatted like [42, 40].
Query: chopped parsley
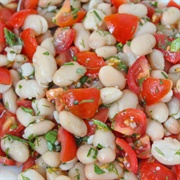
[68, 64]
[24, 178]
[77, 176]
[164, 74]
[92, 152]
[175, 45]
[98, 170]
[178, 152]
[154, 4]
[100, 125]
[27, 110]
[159, 151]
[79, 71]
[46, 53]
[97, 15]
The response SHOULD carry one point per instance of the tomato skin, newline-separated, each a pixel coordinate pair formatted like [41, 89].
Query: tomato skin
[2, 37]
[155, 171]
[63, 38]
[140, 69]
[176, 169]
[153, 90]
[24, 102]
[123, 118]
[65, 16]
[130, 155]
[28, 164]
[124, 23]
[5, 76]
[173, 3]
[82, 102]
[68, 144]
[18, 18]
[30, 43]
[151, 9]
[117, 3]
[5, 14]
[31, 4]
[91, 62]
[6, 161]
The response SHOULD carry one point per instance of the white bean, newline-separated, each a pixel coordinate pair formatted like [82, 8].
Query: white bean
[94, 3]
[104, 138]
[19, 61]
[129, 176]
[92, 175]
[158, 111]
[72, 123]
[105, 8]
[109, 76]
[86, 154]
[17, 150]
[127, 100]
[174, 77]
[63, 177]
[36, 23]
[159, 74]
[15, 77]
[156, 60]
[40, 145]
[27, 69]
[173, 106]
[4, 88]
[75, 4]
[49, 45]
[29, 89]
[10, 100]
[43, 107]
[67, 74]
[106, 51]
[30, 174]
[41, 166]
[166, 151]
[175, 69]
[143, 44]
[39, 128]
[42, 60]
[147, 27]
[110, 94]
[172, 125]
[101, 38]
[52, 173]
[82, 37]
[92, 22]
[106, 155]
[44, 36]
[167, 97]
[139, 10]
[45, 3]
[3, 60]
[25, 118]
[155, 130]
[68, 165]
[77, 172]
[52, 159]
[170, 16]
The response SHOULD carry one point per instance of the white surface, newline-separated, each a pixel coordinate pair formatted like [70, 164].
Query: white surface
[9, 173]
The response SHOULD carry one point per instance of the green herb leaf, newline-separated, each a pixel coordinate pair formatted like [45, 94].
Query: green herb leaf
[175, 45]
[24, 178]
[164, 74]
[86, 101]
[112, 168]
[119, 47]
[178, 152]
[79, 71]
[77, 174]
[154, 4]
[92, 152]
[19, 86]
[50, 146]
[75, 13]
[159, 151]
[11, 38]
[46, 53]
[100, 125]
[16, 138]
[98, 170]
[100, 146]
[27, 110]
[51, 136]
[68, 64]
[141, 80]
[122, 66]
[97, 15]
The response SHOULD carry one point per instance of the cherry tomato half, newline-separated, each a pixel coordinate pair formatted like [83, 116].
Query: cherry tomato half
[5, 76]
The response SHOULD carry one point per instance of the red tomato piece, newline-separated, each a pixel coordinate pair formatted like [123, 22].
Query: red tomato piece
[68, 145]
[155, 171]
[18, 131]
[173, 3]
[65, 17]
[122, 26]
[82, 102]
[130, 160]
[5, 76]
[31, 4]
[117, 3]
[25, 103]
[5, 14]
[7, 161]
[28, 164]
[30, 43]
[137, 73]
[2, 37]
[153, 90]
[150, 9]
[91, 62]
[142, 147]
[130, 121]
[176, 169]
[63, 38]
[18, 18]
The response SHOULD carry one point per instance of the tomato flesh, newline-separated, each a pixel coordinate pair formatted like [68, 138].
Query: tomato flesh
[91, 62]
[28, 164]
[122, 26]
[82, 102]
[30, 4]
[130, 121]
[68, 144]
[5, 76]
[153, 90]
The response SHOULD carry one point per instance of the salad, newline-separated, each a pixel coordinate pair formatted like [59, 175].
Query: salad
[90, 89]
